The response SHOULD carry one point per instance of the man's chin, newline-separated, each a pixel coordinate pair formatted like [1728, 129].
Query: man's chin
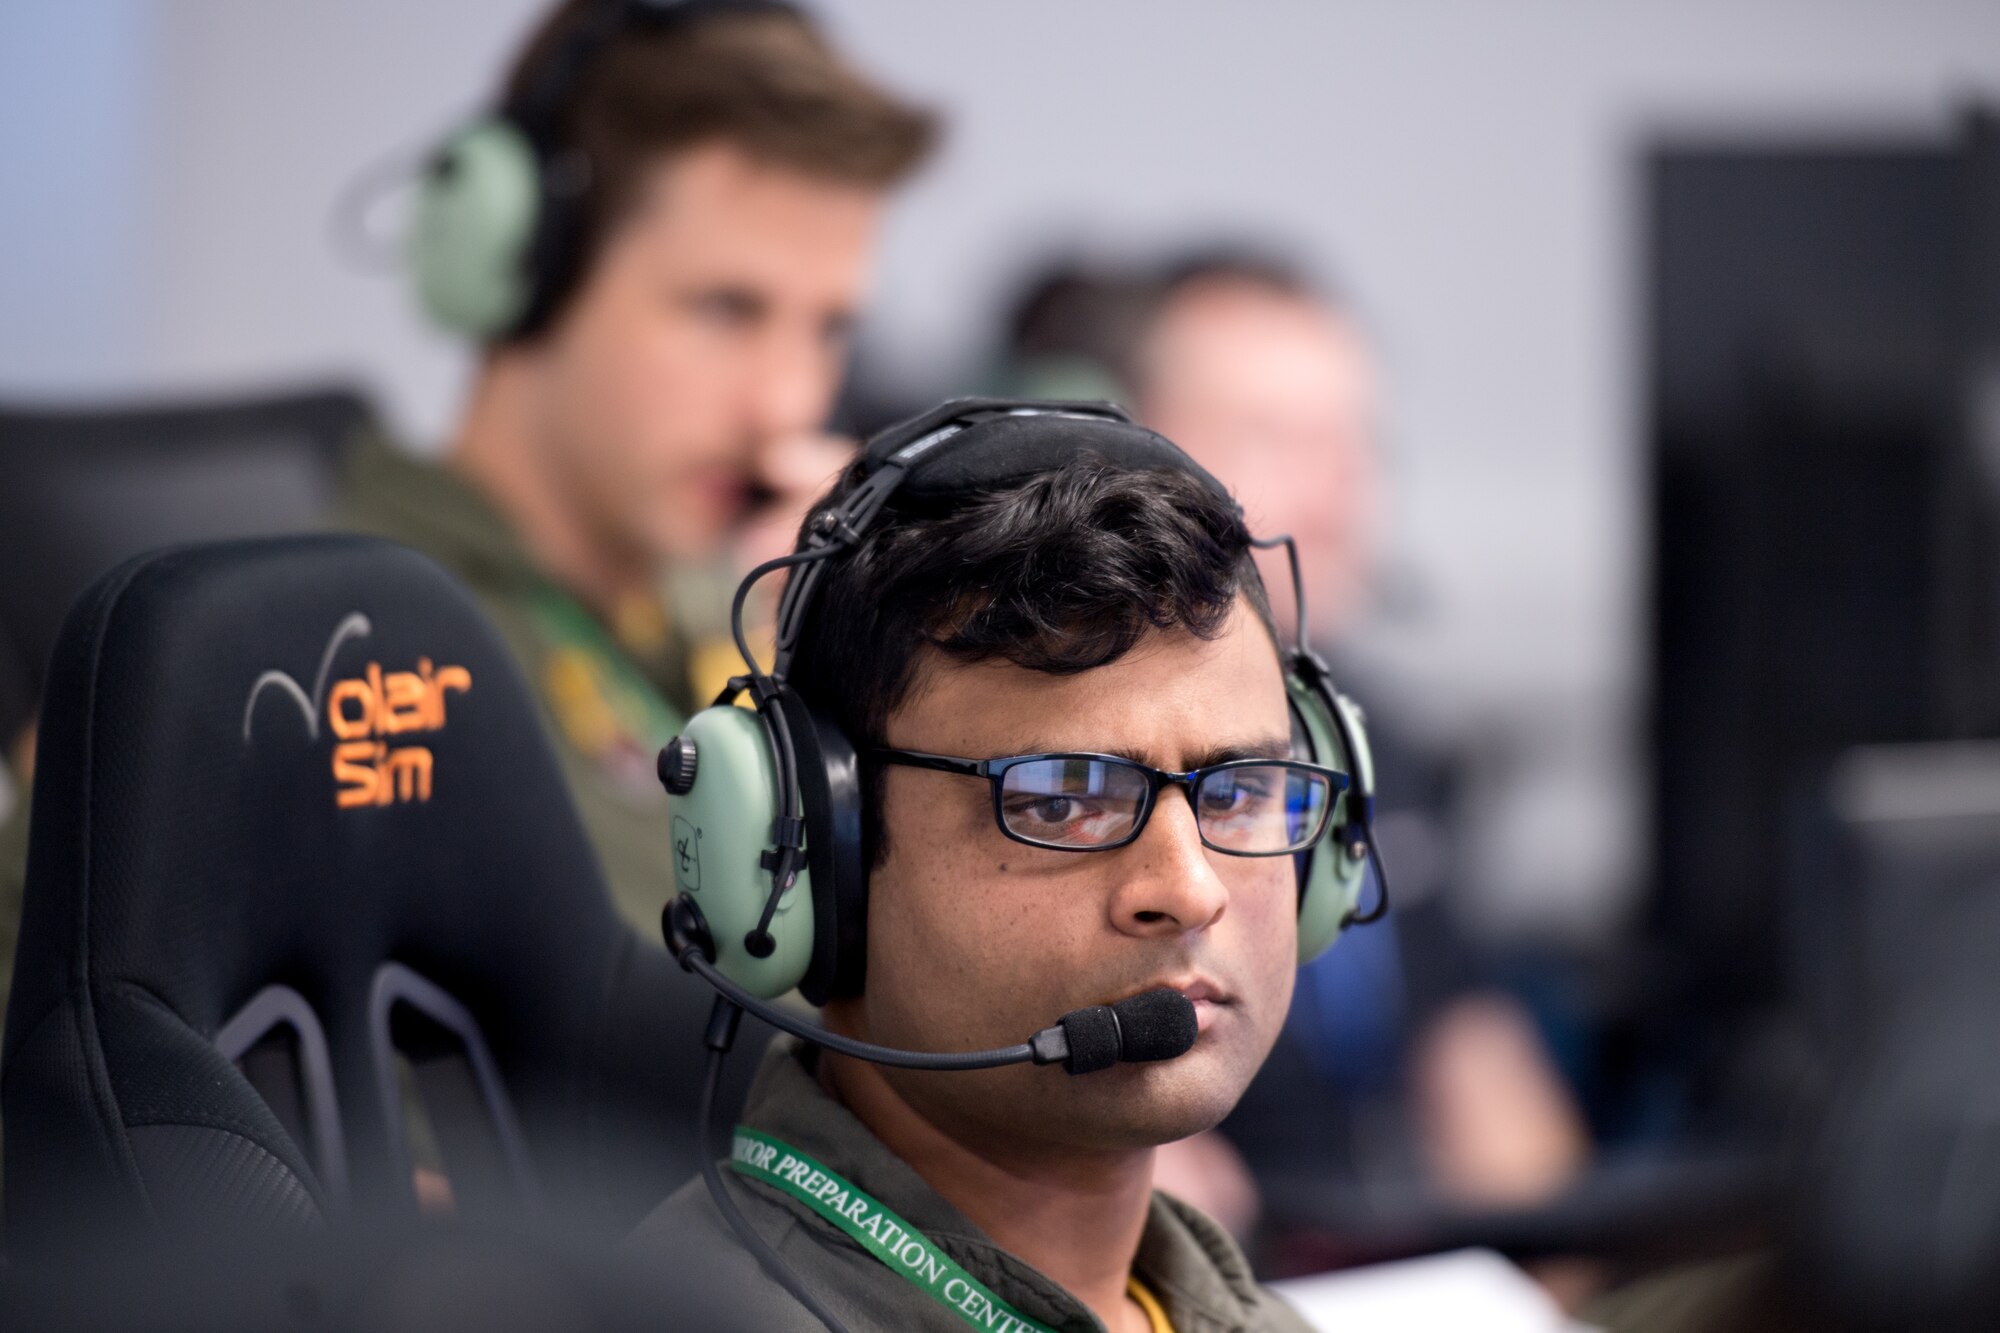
[1147, 1105]
[689, 538]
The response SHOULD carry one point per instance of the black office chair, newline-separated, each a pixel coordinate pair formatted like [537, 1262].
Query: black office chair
[307, 907]
[82, 488]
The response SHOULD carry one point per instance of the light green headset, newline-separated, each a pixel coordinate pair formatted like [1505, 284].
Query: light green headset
[765, 804]
[496, 237]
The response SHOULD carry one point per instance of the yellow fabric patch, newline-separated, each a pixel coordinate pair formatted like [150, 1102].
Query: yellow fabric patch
[576, 695]
[713, 662]
[1155, 1316]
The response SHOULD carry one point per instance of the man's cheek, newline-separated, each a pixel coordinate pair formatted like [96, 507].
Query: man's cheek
[1271, 924]
[1267, 899]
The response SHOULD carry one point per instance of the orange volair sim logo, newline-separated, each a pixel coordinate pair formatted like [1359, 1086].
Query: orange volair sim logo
[369, 714]
[365, 711]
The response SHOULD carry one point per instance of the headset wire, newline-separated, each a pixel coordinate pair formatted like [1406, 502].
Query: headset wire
[711, 1176]
[1303, 650]
[777, 729]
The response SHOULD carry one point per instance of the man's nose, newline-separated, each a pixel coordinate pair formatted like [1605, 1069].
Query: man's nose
[794, 386]
[1171, 887]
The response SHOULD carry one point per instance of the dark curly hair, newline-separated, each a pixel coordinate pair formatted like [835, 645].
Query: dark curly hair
[1062, 573]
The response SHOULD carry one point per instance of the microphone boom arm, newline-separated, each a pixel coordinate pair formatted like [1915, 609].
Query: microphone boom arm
[1050, 1045]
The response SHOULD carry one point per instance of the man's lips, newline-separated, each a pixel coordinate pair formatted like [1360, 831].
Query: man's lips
[1205, 994]
[724, 490]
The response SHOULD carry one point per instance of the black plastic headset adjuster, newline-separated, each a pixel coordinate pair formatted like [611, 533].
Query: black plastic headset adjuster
[830, 527]
[686, 930]
[788, 831]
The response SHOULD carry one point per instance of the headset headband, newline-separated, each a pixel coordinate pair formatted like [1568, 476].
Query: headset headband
[932, 449]
[534, 107]
[931, 457]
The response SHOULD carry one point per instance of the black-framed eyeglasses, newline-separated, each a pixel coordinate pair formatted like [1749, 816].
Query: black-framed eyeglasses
[1096, 802]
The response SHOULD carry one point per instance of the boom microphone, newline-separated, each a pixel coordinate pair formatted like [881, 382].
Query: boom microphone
[1155, 1025]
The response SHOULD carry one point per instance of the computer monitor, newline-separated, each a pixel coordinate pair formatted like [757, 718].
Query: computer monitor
[1824, 332]
[83, 487]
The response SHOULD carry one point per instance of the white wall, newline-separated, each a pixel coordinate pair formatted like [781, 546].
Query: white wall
[78, 84]
[1466, 167]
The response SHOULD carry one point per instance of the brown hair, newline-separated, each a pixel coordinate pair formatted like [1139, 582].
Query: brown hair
[764, 80]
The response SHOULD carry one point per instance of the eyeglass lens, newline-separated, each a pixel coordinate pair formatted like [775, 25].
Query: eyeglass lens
[1257, 809]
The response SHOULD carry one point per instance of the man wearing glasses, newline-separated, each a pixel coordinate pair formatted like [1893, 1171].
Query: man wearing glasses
[1078, 762]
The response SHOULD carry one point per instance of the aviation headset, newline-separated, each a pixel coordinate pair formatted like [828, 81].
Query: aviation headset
[496, 235]
[766, 803]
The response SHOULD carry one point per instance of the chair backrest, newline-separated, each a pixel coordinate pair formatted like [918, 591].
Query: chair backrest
[308, 905]
[82, 488]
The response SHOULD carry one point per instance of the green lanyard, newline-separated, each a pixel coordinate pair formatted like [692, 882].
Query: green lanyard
[900, 1246]
[633, 699]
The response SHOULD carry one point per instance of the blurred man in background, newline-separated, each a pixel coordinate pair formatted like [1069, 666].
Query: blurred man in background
[668, 386]
[1389, 1072]
[1275, 384]
[662, 394]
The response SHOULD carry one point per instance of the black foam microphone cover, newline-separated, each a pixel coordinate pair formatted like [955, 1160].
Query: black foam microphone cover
[1157, 1025]
[1093, 1039]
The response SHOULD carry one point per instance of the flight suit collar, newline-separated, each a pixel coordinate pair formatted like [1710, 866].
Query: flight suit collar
[1188, 1262]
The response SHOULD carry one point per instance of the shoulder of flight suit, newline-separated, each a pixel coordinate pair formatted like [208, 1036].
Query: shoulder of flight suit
[605, 717]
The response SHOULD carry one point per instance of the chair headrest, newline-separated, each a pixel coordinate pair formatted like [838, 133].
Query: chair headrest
[307, 764]
[299, 757]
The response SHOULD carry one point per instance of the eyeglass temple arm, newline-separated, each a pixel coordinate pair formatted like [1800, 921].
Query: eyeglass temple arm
[942, 763]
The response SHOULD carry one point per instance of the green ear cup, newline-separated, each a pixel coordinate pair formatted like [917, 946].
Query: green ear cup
[1363, 771]
[474, 220]
[1334, 874]
[721, 829]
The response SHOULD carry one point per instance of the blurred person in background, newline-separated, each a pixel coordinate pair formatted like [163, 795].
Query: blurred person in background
[656, 406]
[662, 398]
[1391, 1069]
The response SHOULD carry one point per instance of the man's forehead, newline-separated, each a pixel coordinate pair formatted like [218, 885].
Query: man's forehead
[1173, 695]
[715, 180]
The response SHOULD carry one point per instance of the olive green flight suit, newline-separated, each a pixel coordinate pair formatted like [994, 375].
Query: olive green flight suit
[611, 696]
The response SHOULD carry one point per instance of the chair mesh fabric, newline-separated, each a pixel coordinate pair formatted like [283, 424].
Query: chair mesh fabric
[203, 1175]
